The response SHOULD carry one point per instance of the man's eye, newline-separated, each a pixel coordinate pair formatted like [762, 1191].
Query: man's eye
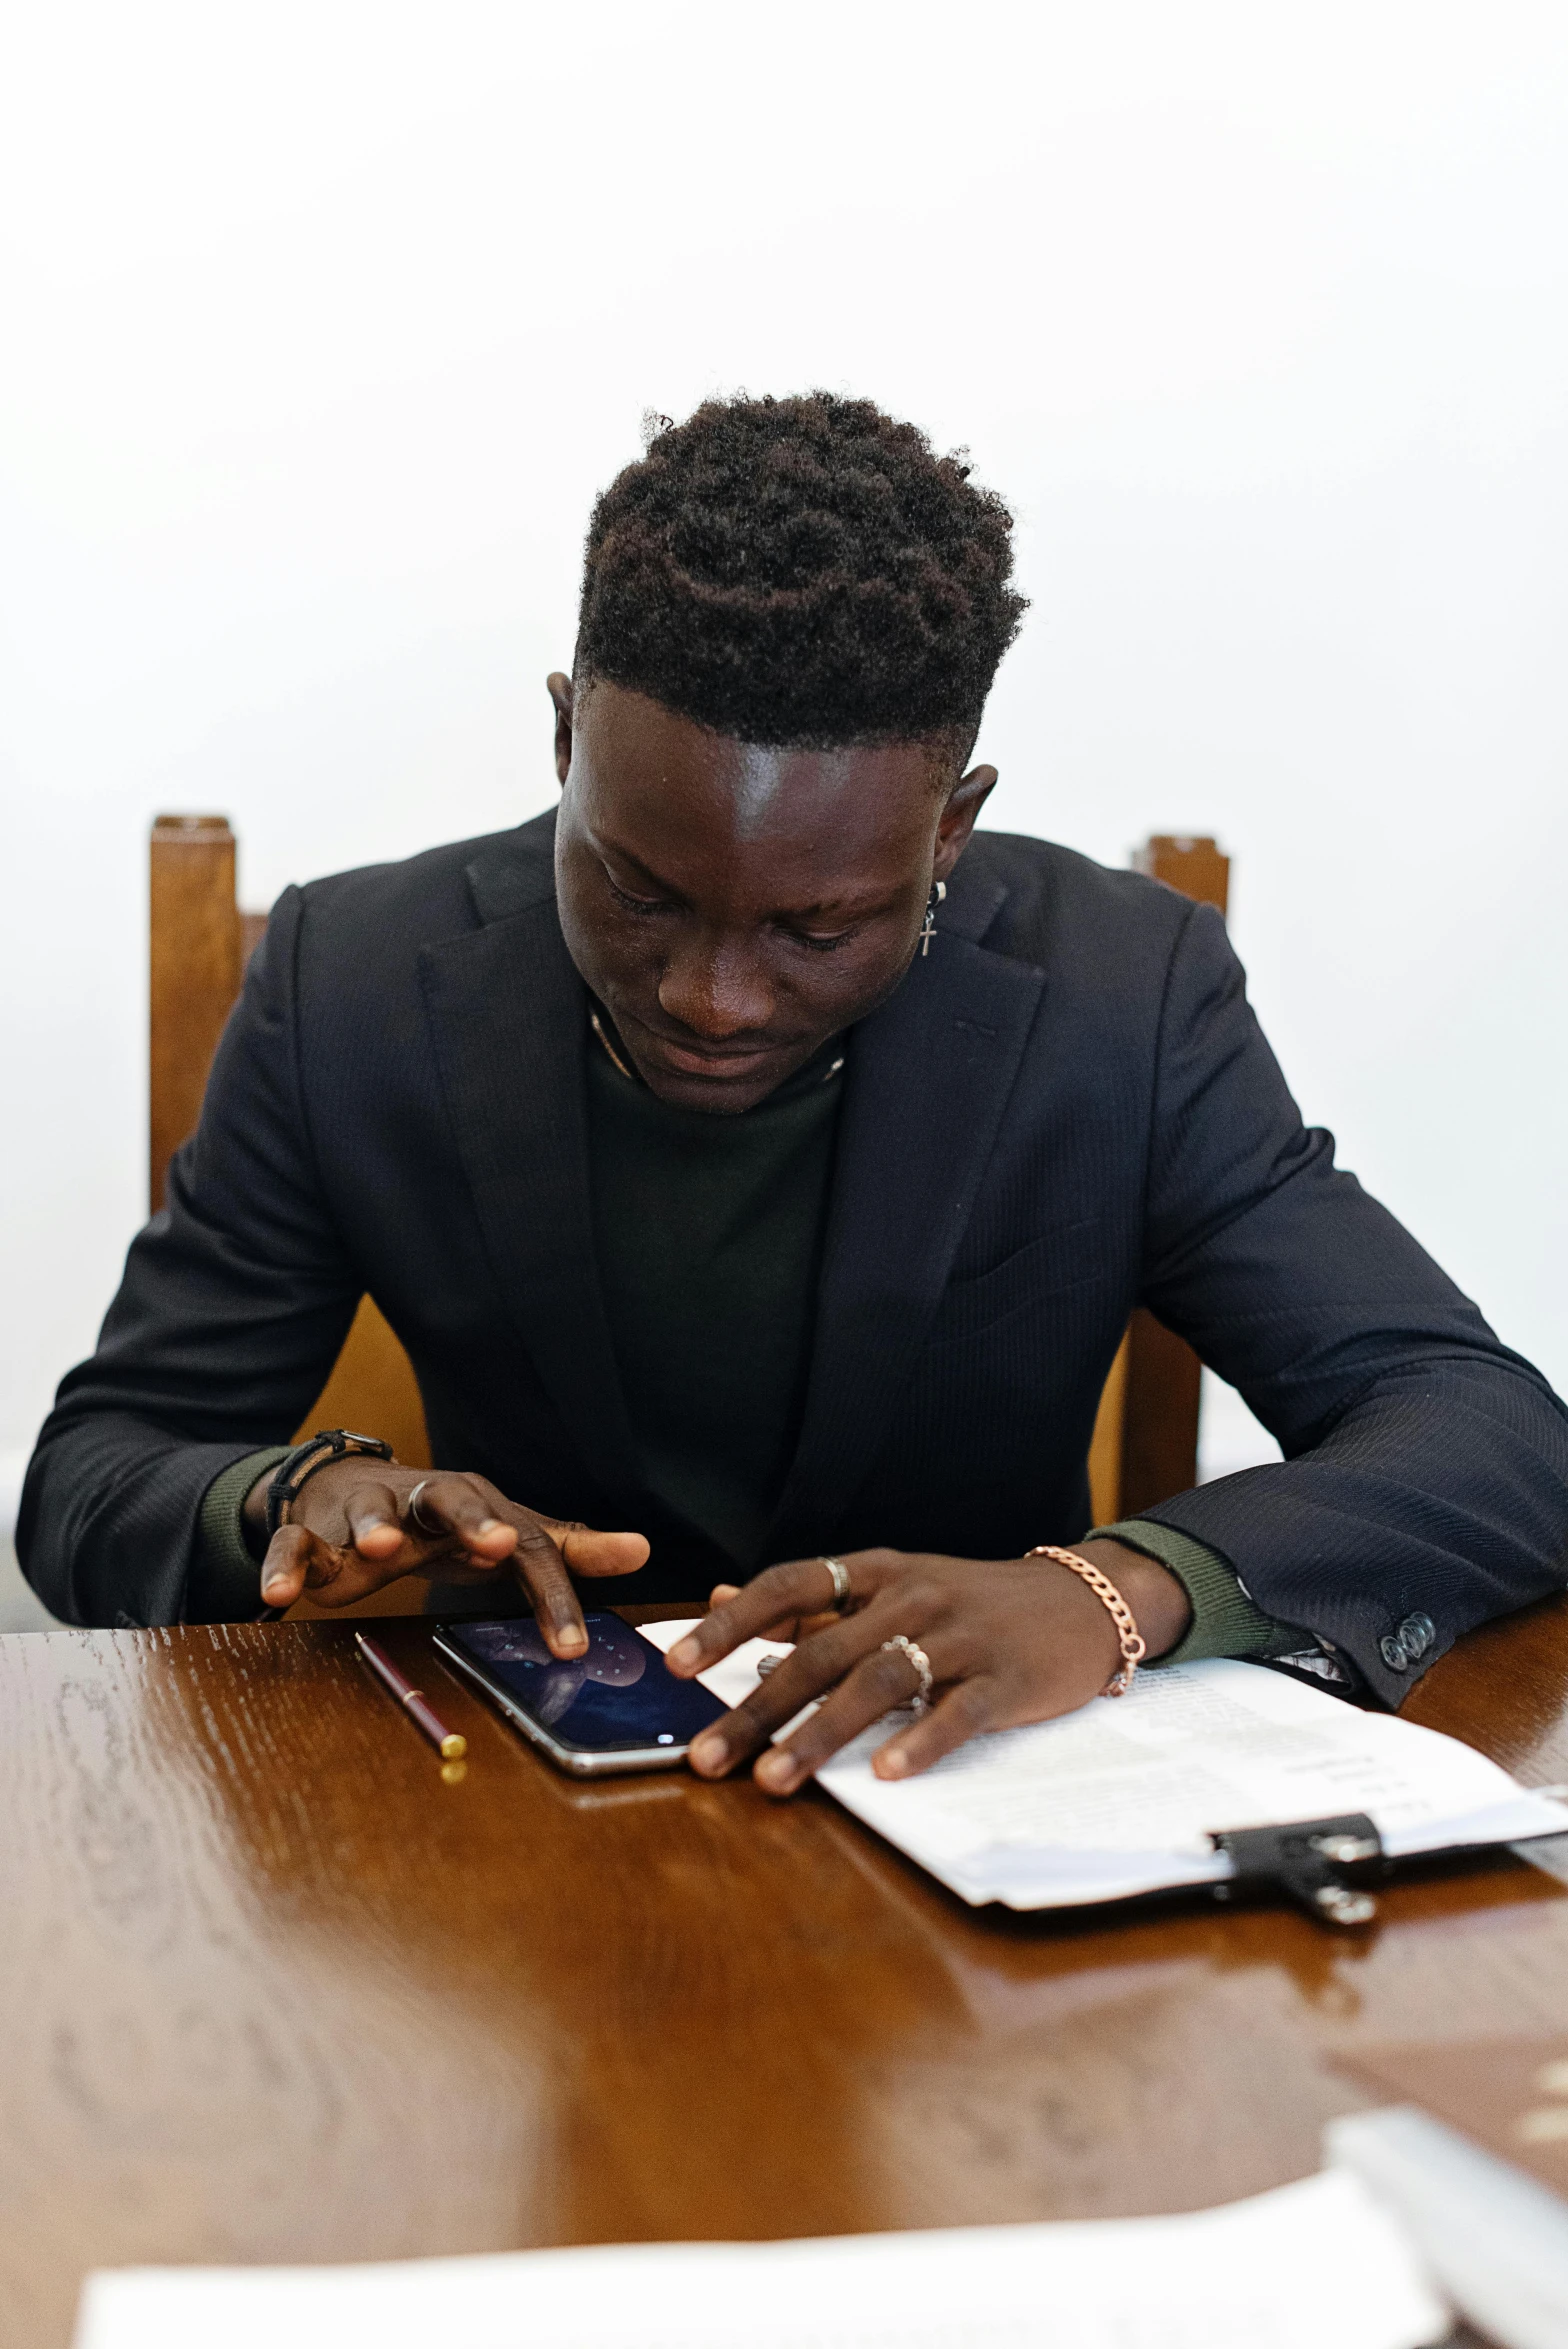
[822, 944]
[636, 905]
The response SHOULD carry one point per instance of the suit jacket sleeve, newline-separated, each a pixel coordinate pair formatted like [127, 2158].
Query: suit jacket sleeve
[1424, 1485]
[235, 1301]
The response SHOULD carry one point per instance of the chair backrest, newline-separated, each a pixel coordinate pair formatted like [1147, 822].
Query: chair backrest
[195, 951]
[1145, 1444]
[1146, 1435]
[200, 943]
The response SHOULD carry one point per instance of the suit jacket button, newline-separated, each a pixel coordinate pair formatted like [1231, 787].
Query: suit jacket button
[1392, 1650]
[1418, 1635]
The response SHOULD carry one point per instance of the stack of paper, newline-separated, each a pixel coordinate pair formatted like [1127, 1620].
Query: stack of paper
[1122, 1796]
[1219, 2279]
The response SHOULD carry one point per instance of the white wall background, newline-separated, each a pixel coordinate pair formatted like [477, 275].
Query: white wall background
[320, 324]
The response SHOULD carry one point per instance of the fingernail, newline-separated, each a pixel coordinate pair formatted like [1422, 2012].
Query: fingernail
[891, 1763]
[779, 1772]
[571, 1641]
[684, 1652]
[491, 1525]
[709, 1753]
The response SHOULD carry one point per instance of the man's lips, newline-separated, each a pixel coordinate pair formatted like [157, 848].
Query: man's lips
[684, 1060]
[719, 1062]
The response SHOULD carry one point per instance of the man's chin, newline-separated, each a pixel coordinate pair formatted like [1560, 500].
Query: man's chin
[723, 1083]
[719, 1092]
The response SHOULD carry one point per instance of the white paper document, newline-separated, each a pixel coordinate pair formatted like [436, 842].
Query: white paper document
[1293, 2269]
[1122, 1796]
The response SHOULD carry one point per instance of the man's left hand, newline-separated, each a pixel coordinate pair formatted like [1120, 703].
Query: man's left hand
[1009, 1640]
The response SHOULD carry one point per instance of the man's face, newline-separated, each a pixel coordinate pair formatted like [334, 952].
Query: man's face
[733, 906]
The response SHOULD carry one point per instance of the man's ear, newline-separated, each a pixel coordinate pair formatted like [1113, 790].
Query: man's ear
[560, 691]
[957, 820]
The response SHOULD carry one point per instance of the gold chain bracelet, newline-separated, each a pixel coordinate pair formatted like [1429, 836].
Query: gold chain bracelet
[1133, 1646]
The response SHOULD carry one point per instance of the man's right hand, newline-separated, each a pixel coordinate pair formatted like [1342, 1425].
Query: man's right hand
[350, 1533]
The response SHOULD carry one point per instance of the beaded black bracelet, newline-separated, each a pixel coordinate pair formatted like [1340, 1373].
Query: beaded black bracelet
[317, 1451]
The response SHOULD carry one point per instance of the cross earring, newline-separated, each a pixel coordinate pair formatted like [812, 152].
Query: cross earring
[928, 932]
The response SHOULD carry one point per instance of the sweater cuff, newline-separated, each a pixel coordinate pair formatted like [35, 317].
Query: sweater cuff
[224, 1583]
[1224, 1620]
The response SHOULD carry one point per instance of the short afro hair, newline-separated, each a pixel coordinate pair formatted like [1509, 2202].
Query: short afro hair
[804, 572]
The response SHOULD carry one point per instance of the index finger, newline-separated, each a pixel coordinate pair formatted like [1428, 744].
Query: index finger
[537, 1559]
[782, 1591]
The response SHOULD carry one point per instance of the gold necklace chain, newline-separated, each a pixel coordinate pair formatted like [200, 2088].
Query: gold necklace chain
[597, 1026]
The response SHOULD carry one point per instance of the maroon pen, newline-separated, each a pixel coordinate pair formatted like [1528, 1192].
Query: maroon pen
[446, 1741]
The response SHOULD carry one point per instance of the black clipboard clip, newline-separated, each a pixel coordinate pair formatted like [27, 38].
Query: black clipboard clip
[1321, 1864]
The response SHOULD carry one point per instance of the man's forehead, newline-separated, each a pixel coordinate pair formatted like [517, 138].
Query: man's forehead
[649, 759]
[766, 788]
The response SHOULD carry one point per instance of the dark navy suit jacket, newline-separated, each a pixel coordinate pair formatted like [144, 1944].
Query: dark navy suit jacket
[1065, 1110]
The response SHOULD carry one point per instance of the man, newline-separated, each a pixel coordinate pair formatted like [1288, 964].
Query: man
[754, 1159]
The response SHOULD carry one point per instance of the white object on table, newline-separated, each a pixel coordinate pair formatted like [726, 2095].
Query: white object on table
[1306, 2264]
[1495, 2238]
[1120, 1797]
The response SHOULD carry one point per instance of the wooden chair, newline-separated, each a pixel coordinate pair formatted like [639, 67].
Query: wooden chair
[1146, 1434]
[200, 943]
[1145, 1445]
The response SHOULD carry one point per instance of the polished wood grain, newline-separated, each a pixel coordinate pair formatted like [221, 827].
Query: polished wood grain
[1162, 1391]
[277, 1988]
[194, 975]
[1501, 1690]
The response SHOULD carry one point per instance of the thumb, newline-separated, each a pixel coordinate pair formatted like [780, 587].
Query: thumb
[286, 1567]
[587, 1552]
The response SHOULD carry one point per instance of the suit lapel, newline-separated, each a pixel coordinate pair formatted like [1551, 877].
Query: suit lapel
[928, 1078]
[508, 1013]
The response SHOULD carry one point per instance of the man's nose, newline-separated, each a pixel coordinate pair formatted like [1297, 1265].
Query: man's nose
[716, 990]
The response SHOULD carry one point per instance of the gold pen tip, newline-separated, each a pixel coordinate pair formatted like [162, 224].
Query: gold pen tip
[453, 1748]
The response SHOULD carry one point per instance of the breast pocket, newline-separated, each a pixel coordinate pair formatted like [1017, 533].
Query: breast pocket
[1069, 1257]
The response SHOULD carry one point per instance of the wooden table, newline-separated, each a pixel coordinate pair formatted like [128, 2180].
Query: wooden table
[274, 1990]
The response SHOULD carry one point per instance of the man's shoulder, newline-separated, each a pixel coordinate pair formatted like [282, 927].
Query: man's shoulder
[440, 892]
[1035, 901]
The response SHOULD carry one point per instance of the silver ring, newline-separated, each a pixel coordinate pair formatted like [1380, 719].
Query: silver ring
[414, 1518]
[840, 1573]
[917, 1656]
